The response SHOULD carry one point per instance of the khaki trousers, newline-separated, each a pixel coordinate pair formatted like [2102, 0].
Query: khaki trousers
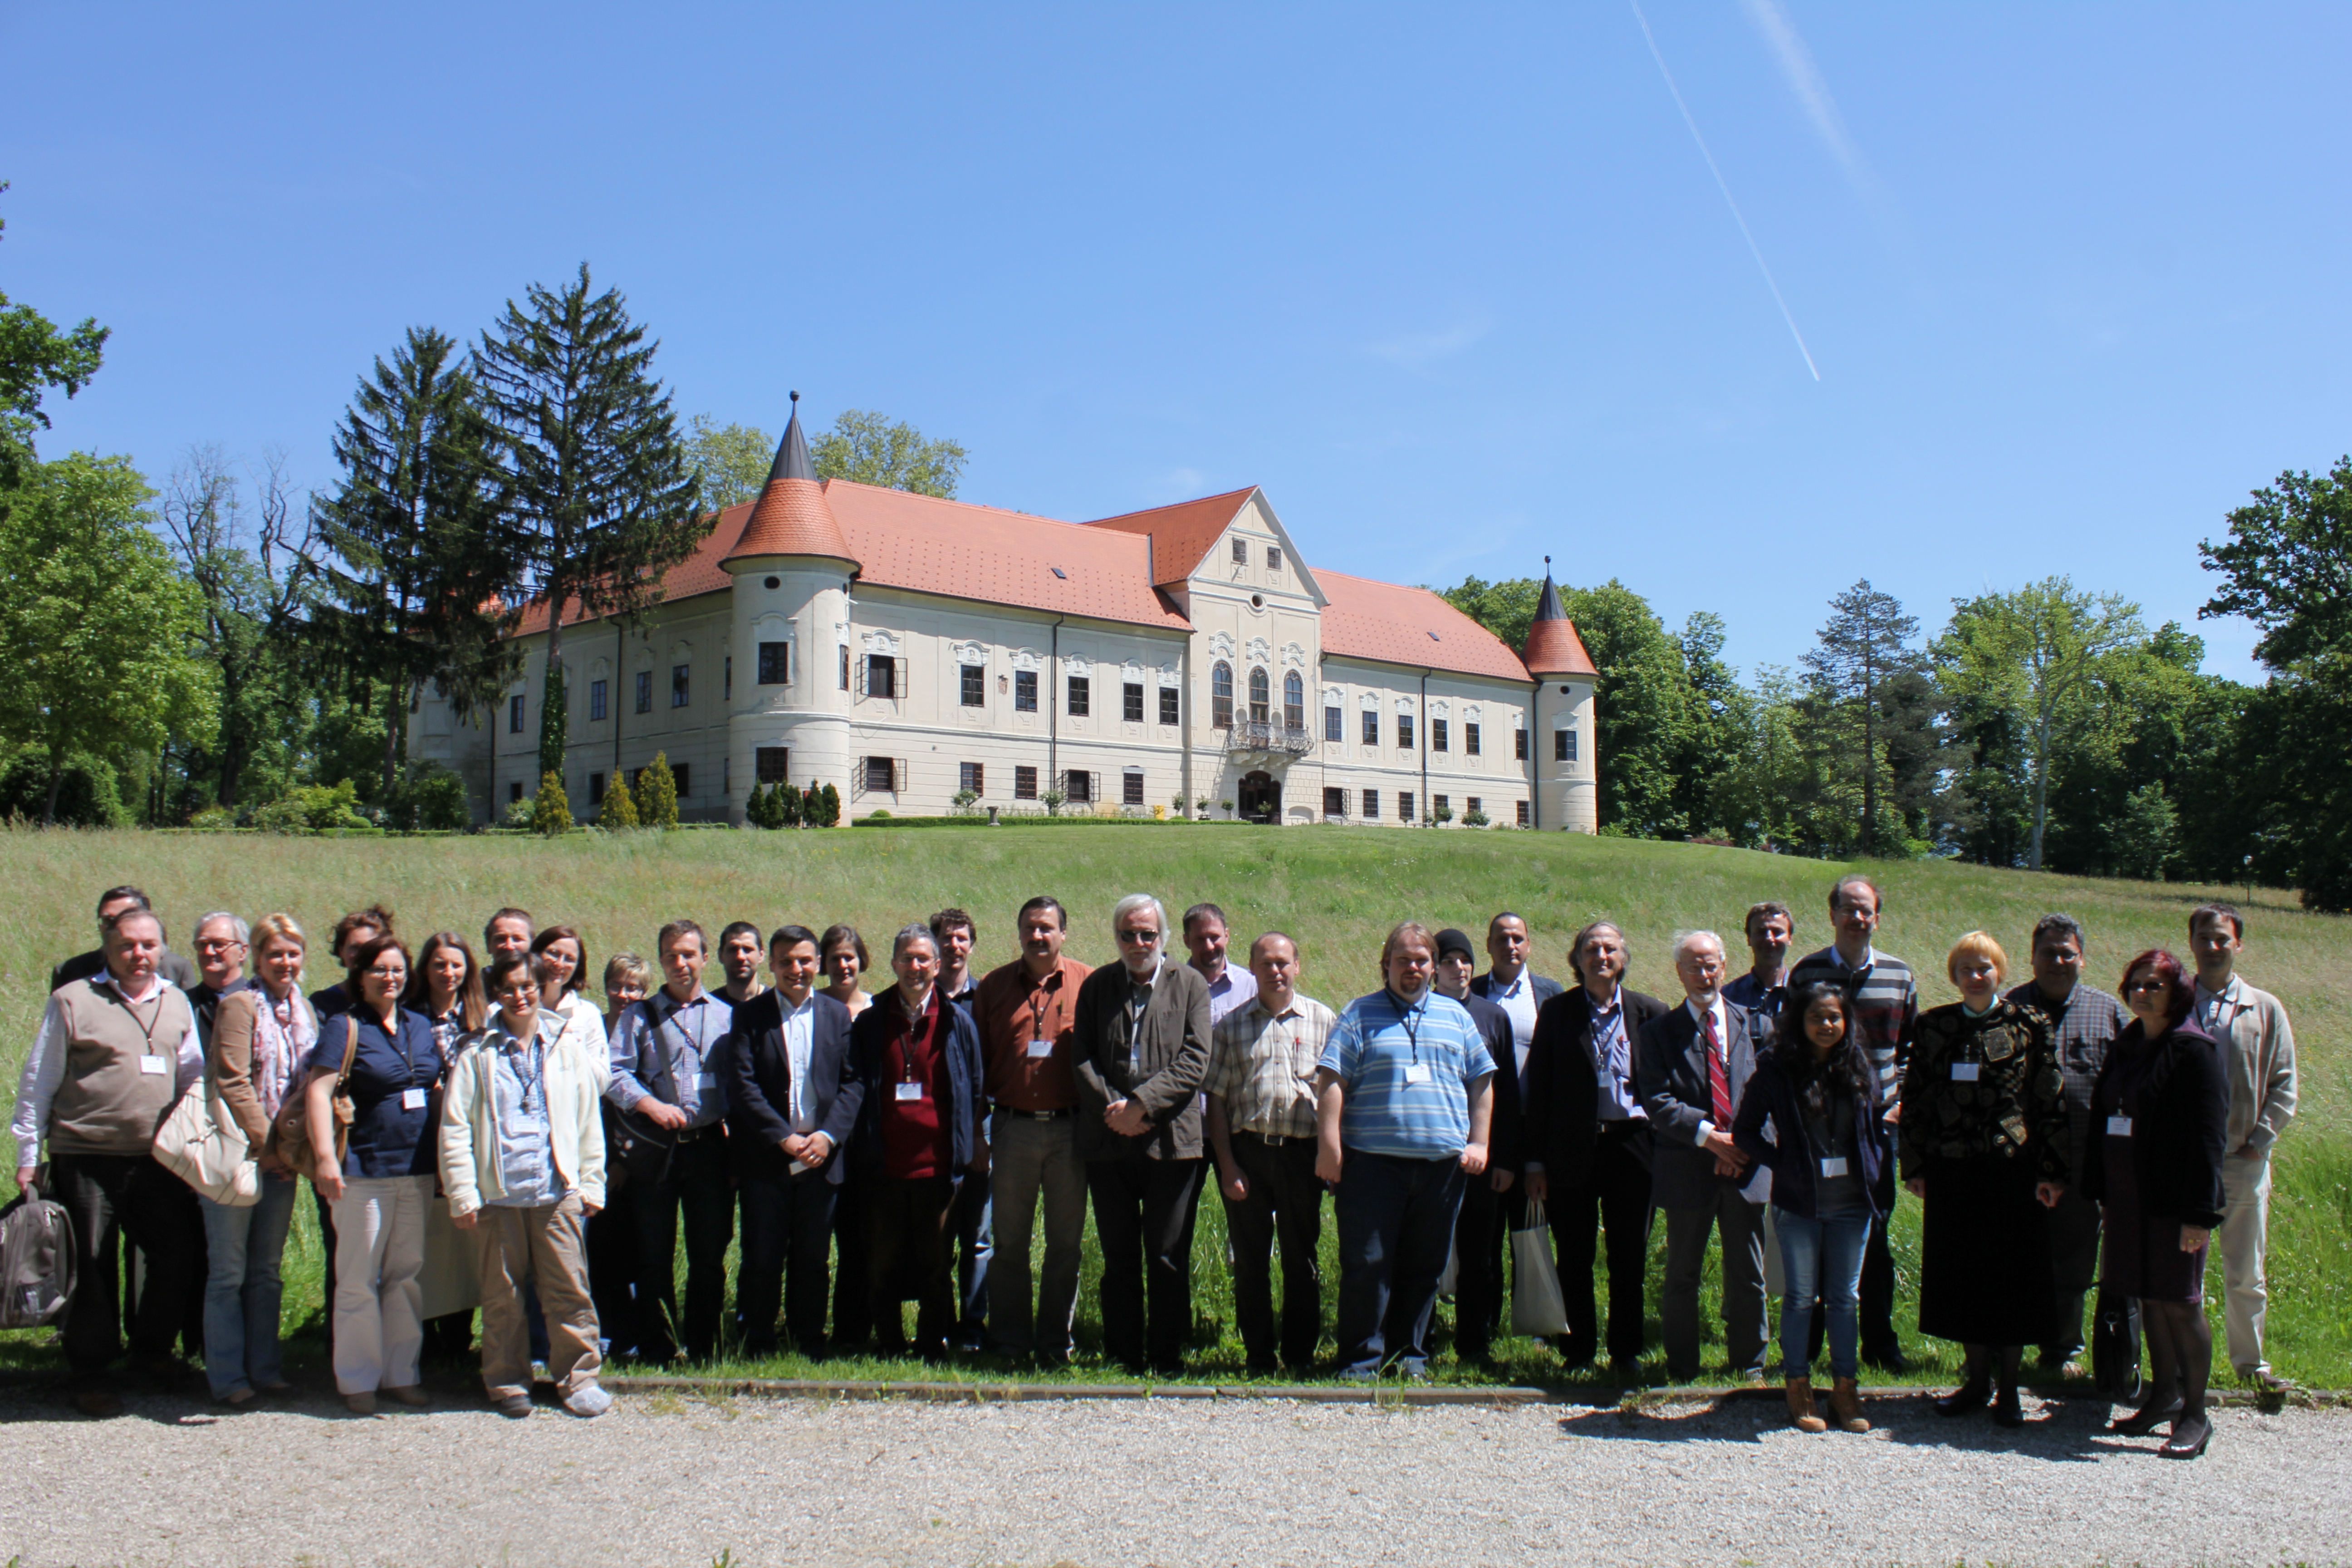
[2245, 1238]
[544, 1244]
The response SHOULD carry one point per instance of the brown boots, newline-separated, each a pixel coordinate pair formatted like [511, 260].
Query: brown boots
[1800, 1406]
[1845, 1407]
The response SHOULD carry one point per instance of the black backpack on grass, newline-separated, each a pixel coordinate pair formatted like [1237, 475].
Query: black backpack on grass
[36, 1260]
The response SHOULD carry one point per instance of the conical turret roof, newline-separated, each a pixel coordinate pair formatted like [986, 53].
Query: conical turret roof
[792, 517]
[1553, 647]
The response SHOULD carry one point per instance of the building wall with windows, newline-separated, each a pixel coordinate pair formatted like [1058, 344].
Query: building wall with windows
[929, 649]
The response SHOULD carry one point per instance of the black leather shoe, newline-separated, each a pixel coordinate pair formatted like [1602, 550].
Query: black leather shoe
[2189, 1436]
[1888, 1356]
[1973, 1395]
[2006, 1410]
[2145, 1419]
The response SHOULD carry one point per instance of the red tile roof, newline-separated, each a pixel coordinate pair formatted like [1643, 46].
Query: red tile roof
[790, 518]
[1181, 534]
[700, 573]
[1554, 649]
[1382, 621]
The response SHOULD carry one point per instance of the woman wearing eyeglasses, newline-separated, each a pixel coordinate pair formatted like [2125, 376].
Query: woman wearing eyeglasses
[2159, 1114]
[380, 1186]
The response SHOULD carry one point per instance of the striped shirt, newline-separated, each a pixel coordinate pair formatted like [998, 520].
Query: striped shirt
[1406, 1073]
[1884, 1000]
[1262, 1066]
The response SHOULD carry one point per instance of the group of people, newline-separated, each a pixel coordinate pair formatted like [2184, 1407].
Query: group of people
[480, 1135]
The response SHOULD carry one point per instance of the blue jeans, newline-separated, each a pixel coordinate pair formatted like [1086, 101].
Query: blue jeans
[1395, 1219]
[242, 1291]
[1822, 1256]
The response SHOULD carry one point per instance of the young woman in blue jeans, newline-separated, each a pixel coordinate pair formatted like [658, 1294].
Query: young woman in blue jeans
[1830, 1160]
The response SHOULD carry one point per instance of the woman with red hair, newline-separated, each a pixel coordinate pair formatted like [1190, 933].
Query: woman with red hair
[2158, 1116]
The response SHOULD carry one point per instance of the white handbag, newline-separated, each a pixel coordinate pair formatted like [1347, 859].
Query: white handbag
[1537, 1308]
[201, 1143]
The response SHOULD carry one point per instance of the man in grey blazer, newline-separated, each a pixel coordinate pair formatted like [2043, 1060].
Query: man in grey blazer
[1142, 1051]
[1690, 1069]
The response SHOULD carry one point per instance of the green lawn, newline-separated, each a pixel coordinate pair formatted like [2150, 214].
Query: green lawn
[1335, 889]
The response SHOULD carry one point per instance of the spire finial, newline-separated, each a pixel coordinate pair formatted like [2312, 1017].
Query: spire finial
[796, 397]
[1547, 559]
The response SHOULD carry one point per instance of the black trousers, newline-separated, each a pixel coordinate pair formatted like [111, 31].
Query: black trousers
[612, 1245]
[910, 1243]
[1877, 1303]
[1144, 1211]
[698, 1188]
[786, 1218]
[1486, 1218]
[1614, 1197]
[1283, 1206]
[114, 1199]
[853, 1320]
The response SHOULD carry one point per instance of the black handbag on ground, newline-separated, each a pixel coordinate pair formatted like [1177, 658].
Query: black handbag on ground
[2114, 1346]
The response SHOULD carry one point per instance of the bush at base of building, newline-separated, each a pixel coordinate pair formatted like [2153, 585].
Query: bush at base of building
[657, 793]
[428, 798]
[619, 807]
[551, 816]
[87, 796]
[315, 808]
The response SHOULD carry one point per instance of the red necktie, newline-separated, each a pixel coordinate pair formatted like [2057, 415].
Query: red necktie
[1718, 1086]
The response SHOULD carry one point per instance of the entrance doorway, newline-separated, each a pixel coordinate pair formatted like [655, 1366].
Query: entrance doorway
[1260, 798]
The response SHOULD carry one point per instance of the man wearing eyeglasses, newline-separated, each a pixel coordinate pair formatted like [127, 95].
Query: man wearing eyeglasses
[221, 941]
[1143, 1039]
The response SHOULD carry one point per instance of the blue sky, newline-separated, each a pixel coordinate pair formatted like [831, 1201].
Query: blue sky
[1453, 283]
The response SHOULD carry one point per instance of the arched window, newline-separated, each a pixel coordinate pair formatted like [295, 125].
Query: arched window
[1294, 701]
[1257, 694]
[1221, 695]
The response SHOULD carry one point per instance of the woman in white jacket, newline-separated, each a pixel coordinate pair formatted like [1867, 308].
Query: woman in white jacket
[560, 961]
[522, 1159]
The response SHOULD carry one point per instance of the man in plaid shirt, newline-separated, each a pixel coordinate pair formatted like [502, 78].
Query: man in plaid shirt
[1261, 1122]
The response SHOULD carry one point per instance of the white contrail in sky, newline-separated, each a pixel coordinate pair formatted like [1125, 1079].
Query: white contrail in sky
[1773, 20]
[1753, 250]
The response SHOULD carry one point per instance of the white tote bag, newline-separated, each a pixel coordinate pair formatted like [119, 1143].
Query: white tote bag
[201, 1143]
[1537, 1308]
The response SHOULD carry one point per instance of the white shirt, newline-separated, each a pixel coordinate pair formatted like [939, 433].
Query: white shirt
[1230, 992]
[1700, 1015]
[1518, 1003]
[45, 1068]
[800, 1048]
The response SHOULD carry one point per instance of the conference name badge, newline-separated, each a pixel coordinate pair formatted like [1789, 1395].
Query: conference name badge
[155, 1065]
[1040, 1049]
[1964, 1072]
[1416, 1072]
[1834, 1165]
[2118, 1126]
[910, 1090]
[412, 1100]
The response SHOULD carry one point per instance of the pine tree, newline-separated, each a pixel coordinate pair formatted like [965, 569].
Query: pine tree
[1858, 669]
[759, 810]
[550, 815]
[789, 808]
[830, 813]
[619, 808]
[657, 793]
[600, 494]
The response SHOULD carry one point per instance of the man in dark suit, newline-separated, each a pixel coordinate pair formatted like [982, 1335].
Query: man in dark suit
[1143, 1039]
[1478, 1232]
[1691, 1067]
[1585, 1144]
[795, 1096]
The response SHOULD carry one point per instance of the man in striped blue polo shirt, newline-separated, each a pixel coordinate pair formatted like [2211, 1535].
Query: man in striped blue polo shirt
[1403, 1095]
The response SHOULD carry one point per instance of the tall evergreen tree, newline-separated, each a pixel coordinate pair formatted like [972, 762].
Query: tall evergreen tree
[1865, 651]
[419, 557]
[600, 494]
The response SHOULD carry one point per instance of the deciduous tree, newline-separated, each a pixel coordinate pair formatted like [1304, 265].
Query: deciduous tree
[872, 448]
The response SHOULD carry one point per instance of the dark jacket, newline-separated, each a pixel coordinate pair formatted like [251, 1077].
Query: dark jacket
[1171, 1060]
[1505, 1140]
[760, 1087]
[1560, 1124]
[2012, 1104]
[1671, 1078]
[2180, 1131]
[1495, 1028]
[1770, 1130]
[964, 1109]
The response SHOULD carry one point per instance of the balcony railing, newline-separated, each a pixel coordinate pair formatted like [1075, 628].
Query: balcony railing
[1264, 735]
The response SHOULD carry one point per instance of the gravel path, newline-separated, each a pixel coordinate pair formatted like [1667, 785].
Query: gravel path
[664, 1481]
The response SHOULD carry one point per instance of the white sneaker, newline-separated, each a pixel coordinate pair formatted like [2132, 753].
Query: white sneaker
[588, 1400]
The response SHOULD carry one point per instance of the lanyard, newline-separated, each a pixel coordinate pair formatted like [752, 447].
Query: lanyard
[536, 1077]
[1038, 1014]
[148, 1029]
[693, 1047]
[399, 1038]
[1410, 1017]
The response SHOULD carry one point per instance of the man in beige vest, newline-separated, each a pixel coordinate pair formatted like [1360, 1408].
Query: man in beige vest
[2258, 1057]
[114, 1053]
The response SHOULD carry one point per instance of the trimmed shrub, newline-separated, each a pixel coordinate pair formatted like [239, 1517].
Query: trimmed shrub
[619, 807]
[550, 815]
[657, 793]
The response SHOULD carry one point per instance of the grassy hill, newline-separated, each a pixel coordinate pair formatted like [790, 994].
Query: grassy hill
[1337, 889]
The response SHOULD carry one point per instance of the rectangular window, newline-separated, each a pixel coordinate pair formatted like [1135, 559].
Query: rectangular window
[1080, 789]
[1131, 699]
[1519, 746]
[1131, 788]
[1082, 697]
[1472, 804]
[683, 775]
[1371, 726]
[727, 679]
[974, 685]
[1404, 732]
[773, 763]
[514, 714]
[881, 676]
[1438, 805]
[595, 789]
[845, 666]
[775, 663]
[1272, 559]
[596, 709]
[1437, 734]
[881, 773]
[1470, 739]
[514, 792]
[1335, 724]
[1335, 801]
[680, 688]
[1169, 713]
[645, 692]
[1240, 552]
[1405, 805]
[726, 776]
[1024, 692]
[973, 776]
[1523, 814]
[1563, 745]
[1372, 804]
[1025, 784]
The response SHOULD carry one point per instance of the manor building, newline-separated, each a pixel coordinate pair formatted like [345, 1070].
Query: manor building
[911, 650]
